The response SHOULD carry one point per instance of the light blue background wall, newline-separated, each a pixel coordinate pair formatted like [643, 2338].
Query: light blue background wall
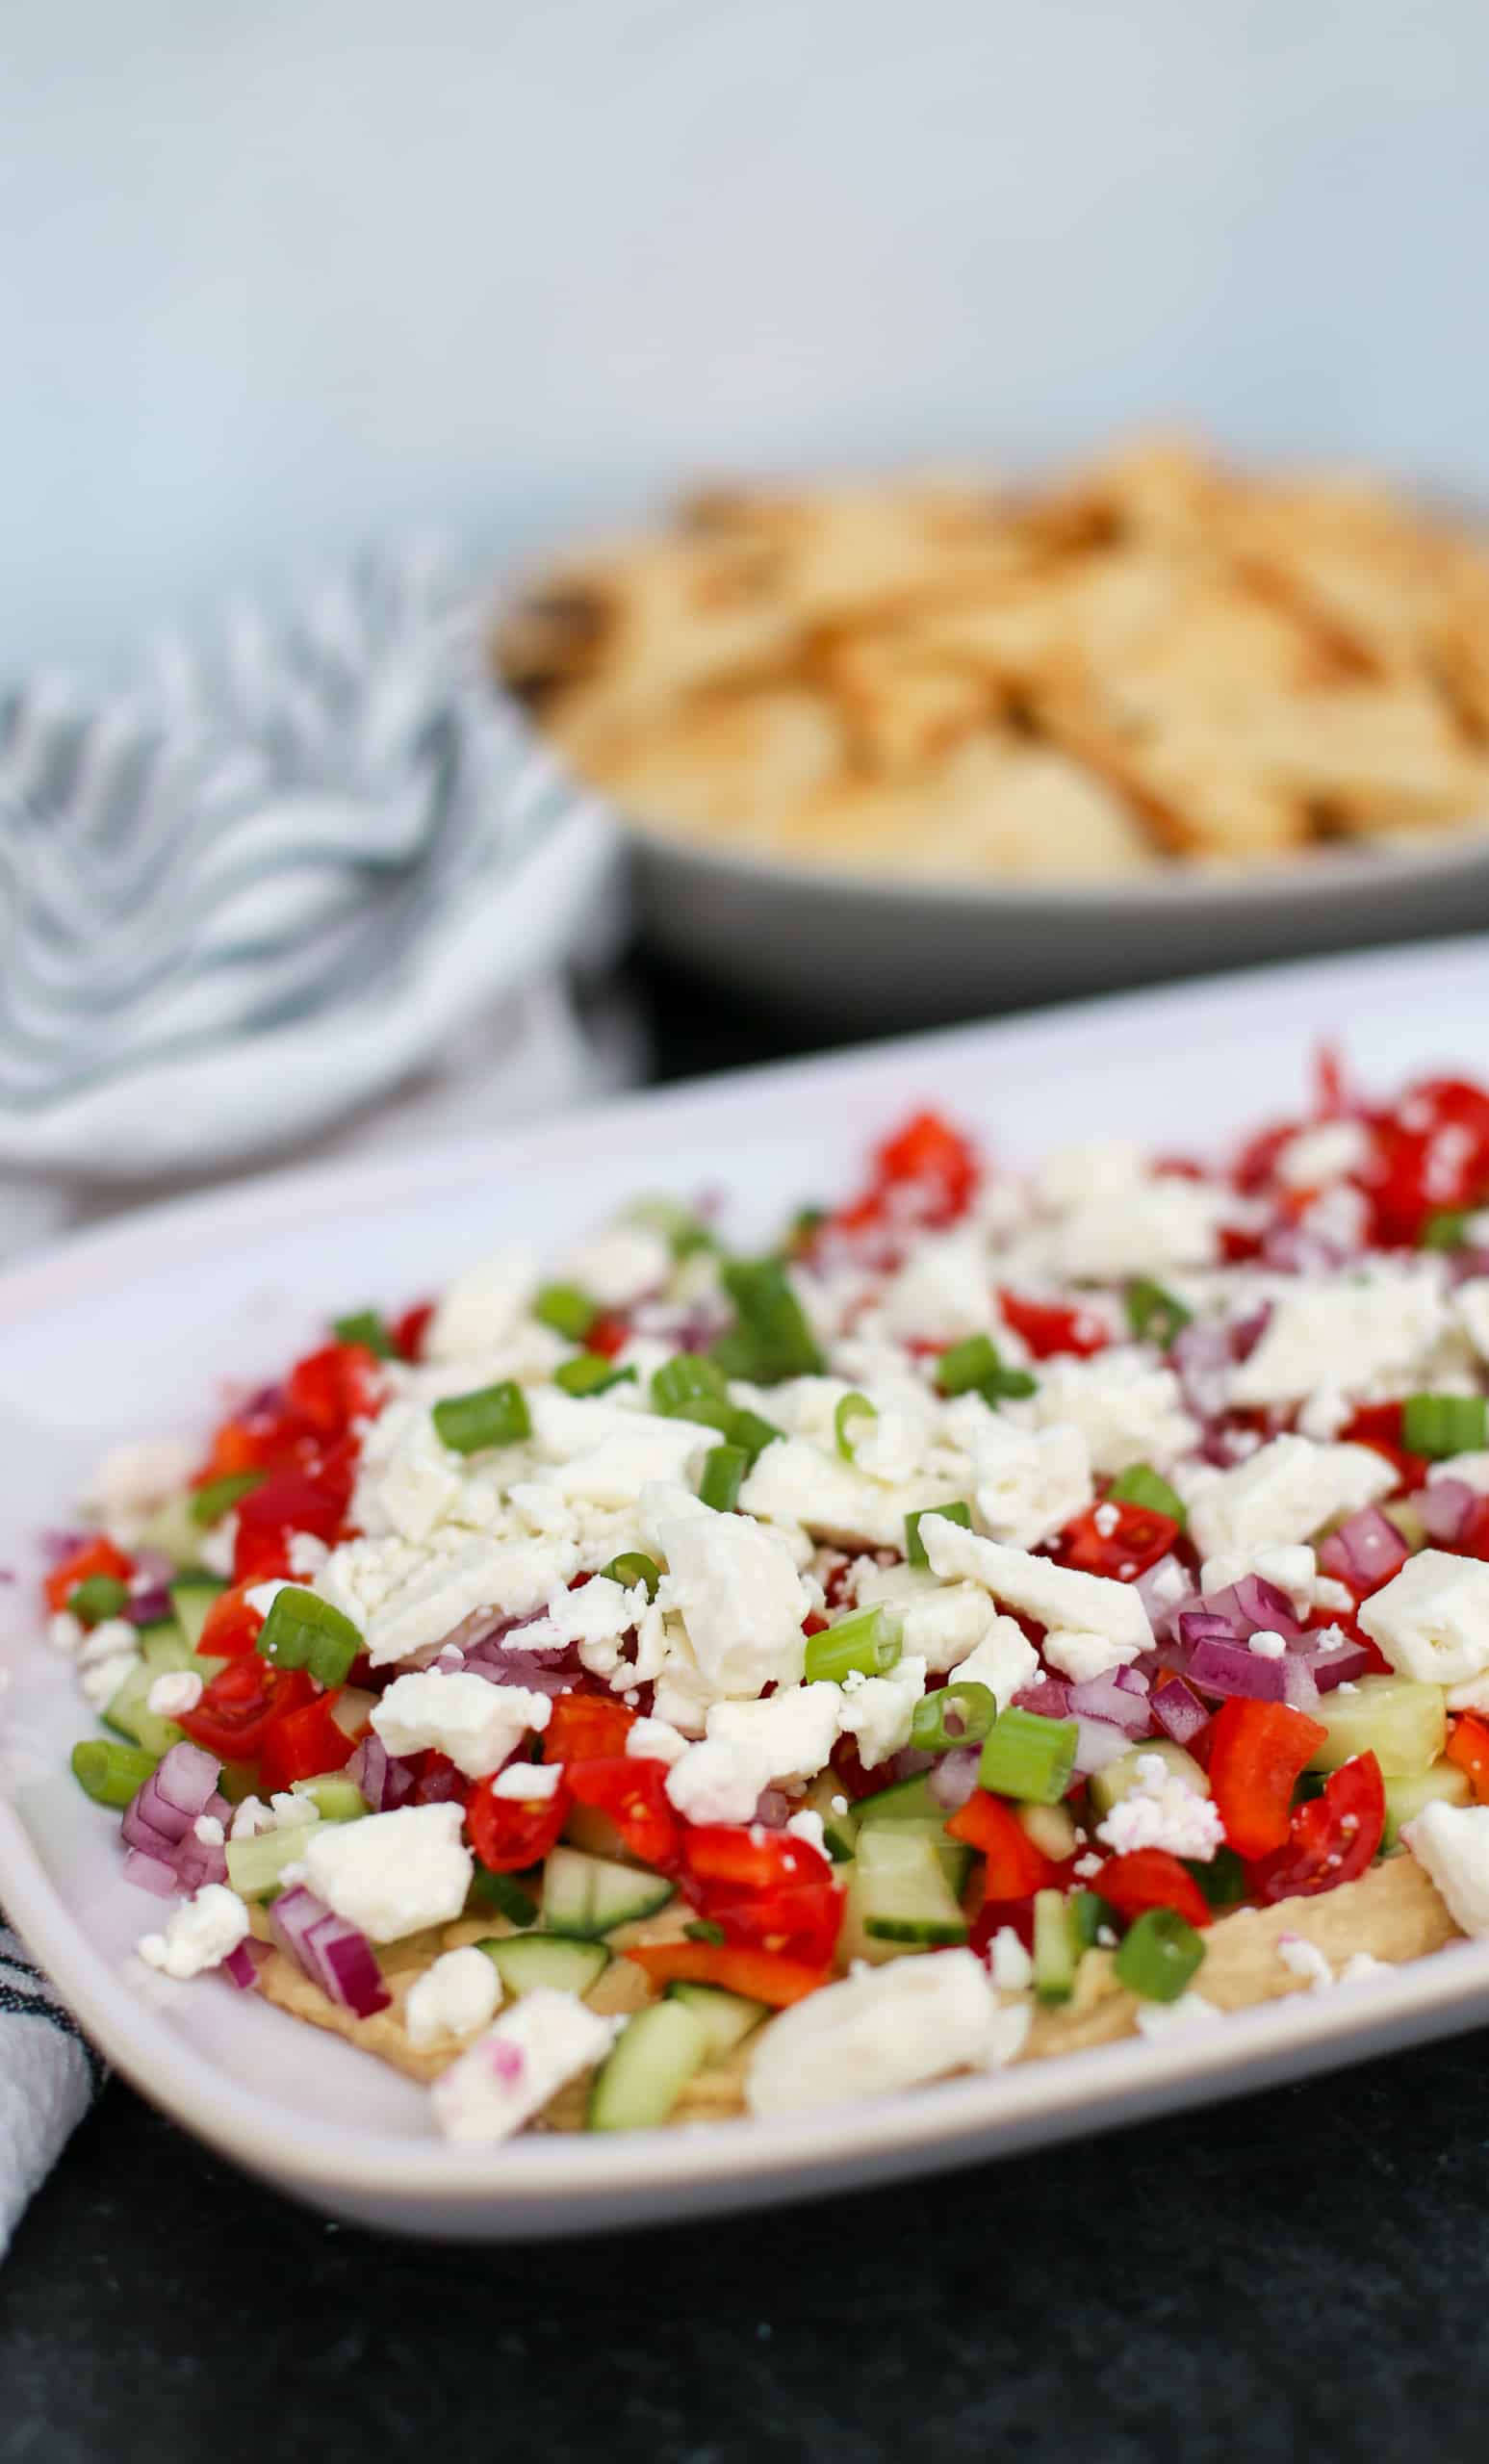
[278, 276]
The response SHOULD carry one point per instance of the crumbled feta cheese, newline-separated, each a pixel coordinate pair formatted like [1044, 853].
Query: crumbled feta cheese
[511, 2072]
[1154, 1223]
[657, 1741]
[392, 1873]
[1266, 1644]
[1128, 1410]
[528, 1783]
[619, 1266]
[133, 1482]
[249, 1818]
[808, 1825]
[64, 1632]
[939, 1623]
[456, 1997]
[1005, 1661]
[795, 1484]
[1306, 1960]
[1162, 1810]
[1329, 1152]
[1013, 1969]
[1349, 1336]
[1471, 1306]
[943, 1291]
[408, 1483]
[262, 1596]
[877, 1712]
[788, 1735]
[1360, 1966]
[217, 1548]
[597, 1617]
[1282, 1494]
[888, 2028]
[105, 1658]
[474, 1722]
[405, 1600]
[1090, 1619]
[484, 1306]
[199, 1936]
[291, 1809]
[209, 1830]
[1029, 1482]
[735, 1587]
[1432, 1620]
[1172, 2019]
[1452, 1843]
[177, 1692]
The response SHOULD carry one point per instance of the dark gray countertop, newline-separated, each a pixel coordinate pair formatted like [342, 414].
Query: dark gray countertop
[1301, 2274]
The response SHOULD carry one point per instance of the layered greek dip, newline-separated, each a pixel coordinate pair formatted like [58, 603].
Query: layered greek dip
[658, 1682]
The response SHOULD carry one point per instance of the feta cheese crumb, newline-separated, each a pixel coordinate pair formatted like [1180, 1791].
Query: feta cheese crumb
[199, 1936]
[475, 1722]
[177, 1692]
[1432, 1619]
[1157, 2019]
[1306, 1960]
[807, 1825]
[889, 2028]
[528, 1783]
[392, 1873]
[1267, 1644]
[1452, 1843]
[209, 1830]
[1163, 1810]
[456, 1997]
[1012, 1968]
[655, 1741]
[510, 2073]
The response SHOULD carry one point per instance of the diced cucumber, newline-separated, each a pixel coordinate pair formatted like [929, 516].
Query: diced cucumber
[1118, 1780]
[175, 1531]
[956, 1862]
[506, 1893]
[1402, 1720]
[255, 1866]
[1446, 1783]
[588, 1895]
[128, 1710]
[592, 1830]
[1051, 1828]
[335, 1798]
[729, 2017]
[523, 1961]
[839, 1831]
[907, 1804]
[163, 1645]
[899, 1897]
[1054, 1947]
[651, 2062]
[191, 1598]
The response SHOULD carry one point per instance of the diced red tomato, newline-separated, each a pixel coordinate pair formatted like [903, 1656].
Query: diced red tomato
[1258, 1752]
[509, 1834]
[586, 1727]
[760, 1976]
[801, 1922]
[233, 1716]
[1150, 1878]
[632, 1790]
[269, 1517]
[300, 1744]
[1433, 1152]
[608, 1335]
[231, 1628]
[1049, 1327]
[332, 1388]
[1015, 1867]
[408, 1332]
[991, 1918]
[95, 1558]
[437, 1780]
[1120, 1549]
[1331, 1839]
[1467, 1745]
[938, 1159]
[740, 1859]
[1380, 1426]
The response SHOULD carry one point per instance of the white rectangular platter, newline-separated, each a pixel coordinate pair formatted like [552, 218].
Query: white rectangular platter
[131, 1330]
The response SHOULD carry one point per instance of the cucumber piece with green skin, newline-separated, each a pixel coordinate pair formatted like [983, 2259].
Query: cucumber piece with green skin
[1054, 1947]
[651, 2062]
[955, 1859]
[255, 1867]
[586, 1895]
[523, 1961]
[899, 1895]
[1402, 1720]
[335, 1798]
[1446, 1783]
[839, 1831]
[729, 2017]
[128, 1712]
[906, 1803]
[1117, 1779]
[191, 1596]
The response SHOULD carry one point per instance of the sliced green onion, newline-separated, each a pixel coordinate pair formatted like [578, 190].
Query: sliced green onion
[853, 1407]
[1447, 1229]
[111, 1774]
[1154, 1315]
[1440, 1425]
[804, 1223]
[97, 1598]
[772, 1339]
[1086, 1912]
[367, 1328]
[751, 1433]
[1158, 1955]
[1141, 1485]
[867, 1643]
[568, 1310]
[217, 1497]
[1030, 1756]
[1222, 1878]
[631, 1568]
[302, 1631]
[956, 1714]
[723, 1476]
[688, 1386]
[590, 1373]
[493, 1416]
[974, 1367]
[702, 1929]
[956, 1510]
[683, 1231]
[506, 1892]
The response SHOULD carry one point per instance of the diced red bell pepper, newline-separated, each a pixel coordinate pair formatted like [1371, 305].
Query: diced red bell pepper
[1378, 1425]
[1015, 1867]
[230, 1628]
[97, 1556]
[1121, 1551]
[801, 1922]
[1467, 1745]
[332, 1388]
[1150, 1878]
[938, 1159]
[586, 1727]
[1049, 1327]
[725, 1854]
[300, 1744]
[408, 1332]
[1331, 1839]
[233, 1716]
[1257, 1753]
[510, 1833]
[760, 1976]
[631, 1788]
[269, 1517]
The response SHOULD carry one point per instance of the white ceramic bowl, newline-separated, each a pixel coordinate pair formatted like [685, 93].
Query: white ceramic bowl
[126, 1332]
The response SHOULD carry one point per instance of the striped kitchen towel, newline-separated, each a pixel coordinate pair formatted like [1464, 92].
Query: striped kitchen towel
[49, 2076]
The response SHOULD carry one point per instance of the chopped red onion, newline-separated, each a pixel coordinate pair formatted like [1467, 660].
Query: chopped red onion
[1102, 1698]
[772, 1809]
[1155, 1590]
[1342, 1667]
[1261, 1605]
[1049, 1695]
[139, 1831]
[186, 1777]
[152, 1566]
[204, 1860]
[240, 1968]
[1445, 1507]
[332, 1953]
[149, 1606]
[909, 1762]
[953, 1776]
[521, 1668]
[1178, 1710]
[1229, 1667]
[150, 1873]
[1099, 1743]
[57, 1547]
[384, 1781]
[1132, 1679]
[1367, 1550]
[1201, 1356]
